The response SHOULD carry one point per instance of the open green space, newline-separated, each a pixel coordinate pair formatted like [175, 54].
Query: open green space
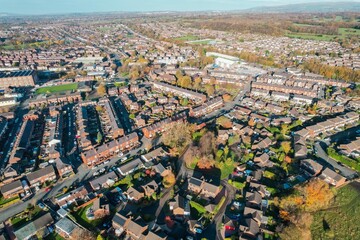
[349, 31]
[202, 42]
[187, 38]
[341, 220]
[353, 163]
[24, 46]
[8, 200]
[342, 33]
[199, 208]
[80, 216]
[57, 88]
[54, 236]
[311, 36]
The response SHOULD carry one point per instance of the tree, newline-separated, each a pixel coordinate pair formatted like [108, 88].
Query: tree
[284, 129]
[286, 146]
[227, 97]
[185, 81]
[178, 136]
[99, 108]
[251, 122]
[207, 144]
[101, 90]
[100, 237]
[184, 102]
[224, 122]
[134, 73]
[210, 90]
[197, 82]
[99, 138]
[189, 156]
[206, 163]
[169, 180]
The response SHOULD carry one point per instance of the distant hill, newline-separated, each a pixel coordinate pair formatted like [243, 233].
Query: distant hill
[4, 14]
[310, 7]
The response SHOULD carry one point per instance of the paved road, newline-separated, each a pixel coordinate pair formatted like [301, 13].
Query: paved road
[70, 144]
[83, 174]
[123, 114]
[230, 195]
[320, 152]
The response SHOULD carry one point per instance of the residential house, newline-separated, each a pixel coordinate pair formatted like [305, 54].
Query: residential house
[65, 228]
[100, 210]
[104, 181]
[253, 199]
[134, 229]
[130, 167]
[265, 143]
[311, 166]
[63, 169]
[37, 226]
[202, 187]
[12, 189]
[39, 177]
[332, 177]
[134, 195]
[263, 160]
[179, 206]
[150, 188]
[67, 199]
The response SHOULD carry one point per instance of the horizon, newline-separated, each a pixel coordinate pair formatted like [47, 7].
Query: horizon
[42, 7]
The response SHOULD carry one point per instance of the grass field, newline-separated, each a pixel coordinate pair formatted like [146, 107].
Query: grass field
[23, 46]
[187, 38]
[342, 33]
[349, 31]
[341, 221]
[58, 88]
[354, 164]
[310, 36]
[203, 42]
[81, 218]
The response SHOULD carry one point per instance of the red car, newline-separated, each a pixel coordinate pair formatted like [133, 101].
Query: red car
[231, 228]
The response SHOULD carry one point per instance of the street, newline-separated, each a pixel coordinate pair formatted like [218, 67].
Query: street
[83, 175]
[345, 171]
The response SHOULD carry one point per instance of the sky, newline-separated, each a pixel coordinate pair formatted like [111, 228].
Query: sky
[36, 7]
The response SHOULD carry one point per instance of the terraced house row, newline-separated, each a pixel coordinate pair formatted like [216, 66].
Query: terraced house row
[102, 153]
[328, 125]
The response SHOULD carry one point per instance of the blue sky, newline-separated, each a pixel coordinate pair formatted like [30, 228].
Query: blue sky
[34, 7]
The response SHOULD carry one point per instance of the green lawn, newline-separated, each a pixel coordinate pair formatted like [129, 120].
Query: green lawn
[226, 168]
[349, 31]
[342, 220]
[54, 236]
[342, 33]
[309, 36]
[238, 185]
[203, 42]
[23, 218]
[24, 46]
[80, 216]
[7, 200]
[187, 38]
[58, 88]
[354, 164]
[199, 208]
